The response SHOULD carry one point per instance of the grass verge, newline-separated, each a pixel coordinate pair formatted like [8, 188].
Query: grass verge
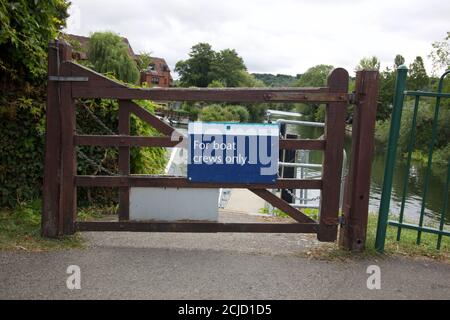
[405, 247]
[20, 229]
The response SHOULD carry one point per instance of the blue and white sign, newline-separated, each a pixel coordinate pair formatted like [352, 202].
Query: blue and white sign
[233, 152]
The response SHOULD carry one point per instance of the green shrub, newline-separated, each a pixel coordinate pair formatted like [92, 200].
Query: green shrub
[217, 112]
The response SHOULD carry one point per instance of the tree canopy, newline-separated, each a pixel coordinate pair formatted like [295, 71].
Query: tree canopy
[418, 78]
[315, 76]
[440, 55]
[368, 63]
[109, 54]
[206, 66]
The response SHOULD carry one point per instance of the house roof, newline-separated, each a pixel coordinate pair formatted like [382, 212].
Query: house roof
[83, 42]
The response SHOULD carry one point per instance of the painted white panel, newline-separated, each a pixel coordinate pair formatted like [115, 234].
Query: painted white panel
[172, 204]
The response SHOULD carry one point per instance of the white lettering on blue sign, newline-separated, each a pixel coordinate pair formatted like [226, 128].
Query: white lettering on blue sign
[233, 152]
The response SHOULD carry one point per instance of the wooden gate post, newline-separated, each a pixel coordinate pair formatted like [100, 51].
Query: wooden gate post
[353, 230]
[332, 158]
[51, 225]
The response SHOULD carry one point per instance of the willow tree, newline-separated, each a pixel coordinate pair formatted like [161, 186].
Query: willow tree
[108, 53]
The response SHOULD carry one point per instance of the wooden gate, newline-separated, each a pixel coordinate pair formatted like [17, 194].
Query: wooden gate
[69, 81]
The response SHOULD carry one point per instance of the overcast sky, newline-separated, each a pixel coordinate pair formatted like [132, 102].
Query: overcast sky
[272, 36]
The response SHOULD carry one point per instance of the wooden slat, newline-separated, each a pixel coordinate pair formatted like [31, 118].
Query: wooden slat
[123, 141]
[124, 159]
[52, 157]
[68, 193]
[182, 182]
[333, 155]
[353, 233]
[282, 205]
[99, 86]
[208, 95]
[205, 227]
[151, 119]
[302, 144]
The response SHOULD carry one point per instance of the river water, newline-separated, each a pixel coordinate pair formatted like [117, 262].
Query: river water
[435, 195]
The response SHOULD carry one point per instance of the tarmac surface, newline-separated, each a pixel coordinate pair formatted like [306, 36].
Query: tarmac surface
[125, 265]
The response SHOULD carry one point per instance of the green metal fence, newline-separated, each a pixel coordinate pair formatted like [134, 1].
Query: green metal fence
[383, 218]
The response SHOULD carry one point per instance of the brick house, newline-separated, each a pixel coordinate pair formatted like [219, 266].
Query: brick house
[157, 75]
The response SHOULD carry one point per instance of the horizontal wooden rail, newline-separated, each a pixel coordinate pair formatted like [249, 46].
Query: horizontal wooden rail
[99, 86]
[302, 144]
[139, 141]
[207, 227]
[123, 141]
[305, 95]
[182, 182]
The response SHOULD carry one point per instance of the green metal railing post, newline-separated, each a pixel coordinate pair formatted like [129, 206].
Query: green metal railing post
[394, 132]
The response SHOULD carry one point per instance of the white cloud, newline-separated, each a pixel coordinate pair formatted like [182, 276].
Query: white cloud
[284, 36]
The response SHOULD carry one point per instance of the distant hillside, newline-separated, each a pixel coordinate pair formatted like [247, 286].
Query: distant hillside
[279, 80]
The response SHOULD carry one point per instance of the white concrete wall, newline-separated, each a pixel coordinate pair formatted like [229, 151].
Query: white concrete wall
[172, 204]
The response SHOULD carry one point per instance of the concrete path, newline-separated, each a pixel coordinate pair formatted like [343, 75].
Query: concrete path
[212, 266]
[244, 201]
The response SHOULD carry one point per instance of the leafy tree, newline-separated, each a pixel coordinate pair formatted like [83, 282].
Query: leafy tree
[315, 76]
[206, 66]
[143, 61]
[26, 28]
[197, 71]
[399, 60]
[249, 81]
[386, 93]
[418, 78]
[440, 55]
[109, 54]
[370, 63]
[227, 67]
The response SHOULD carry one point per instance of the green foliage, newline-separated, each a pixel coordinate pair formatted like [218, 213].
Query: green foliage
[371, 63]
[143, 61]
[206, 66]
[440, 55]
[20, 229]
[215, 112]
[21, 146]
[197, 70]
[418, 78]
[26, 27]
[227, 68]
[398, 61]
[279, 80]
[423, 132]
[216, 84]
[109, 54]
[386, 94]
[315, 76]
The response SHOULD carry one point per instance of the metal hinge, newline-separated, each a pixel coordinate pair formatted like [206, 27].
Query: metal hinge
[58, 78]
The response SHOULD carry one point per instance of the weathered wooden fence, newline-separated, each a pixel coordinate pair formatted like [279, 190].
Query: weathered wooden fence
[69, 81]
